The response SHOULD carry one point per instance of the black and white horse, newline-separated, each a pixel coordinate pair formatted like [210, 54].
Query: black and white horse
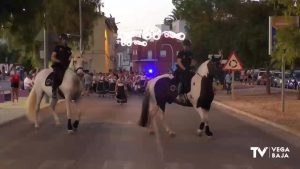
[163, 89]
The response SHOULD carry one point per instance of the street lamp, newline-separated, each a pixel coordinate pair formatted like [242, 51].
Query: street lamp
[5, 41]
[45, 43]
[80, 27]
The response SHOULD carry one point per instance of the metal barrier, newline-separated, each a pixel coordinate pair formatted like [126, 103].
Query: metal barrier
[5, 94]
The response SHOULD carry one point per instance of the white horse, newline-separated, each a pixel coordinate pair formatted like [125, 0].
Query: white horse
[163, 89]
[71, 88]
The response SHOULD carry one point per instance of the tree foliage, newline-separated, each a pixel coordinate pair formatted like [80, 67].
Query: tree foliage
[230, 25]
[25, 19]
[288, 38]
[287, 45]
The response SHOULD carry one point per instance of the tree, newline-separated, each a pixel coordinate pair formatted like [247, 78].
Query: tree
[171, 18]
[25, 19]
[287, 39]
[230, 25]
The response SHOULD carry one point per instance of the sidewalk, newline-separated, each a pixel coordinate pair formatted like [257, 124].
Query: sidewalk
[255, 103]
[9, 111]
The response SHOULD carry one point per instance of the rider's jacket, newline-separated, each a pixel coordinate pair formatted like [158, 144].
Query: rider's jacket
[63, 55]
[186, 59]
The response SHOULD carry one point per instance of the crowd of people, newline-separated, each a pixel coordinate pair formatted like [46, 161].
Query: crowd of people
[248, 77]
[118, 82]
[110, 82]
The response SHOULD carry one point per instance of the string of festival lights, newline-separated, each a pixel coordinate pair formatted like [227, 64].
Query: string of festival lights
[149, 34]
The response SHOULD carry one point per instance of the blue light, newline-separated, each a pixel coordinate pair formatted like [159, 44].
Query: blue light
[150, 70]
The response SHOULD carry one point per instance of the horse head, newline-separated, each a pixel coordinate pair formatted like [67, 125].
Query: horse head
[211, 68]
[77, 64]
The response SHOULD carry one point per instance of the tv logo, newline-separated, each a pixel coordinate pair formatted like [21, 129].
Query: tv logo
[260, 151]
[273, 152]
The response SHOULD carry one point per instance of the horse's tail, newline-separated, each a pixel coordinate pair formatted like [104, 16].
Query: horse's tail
[145, 109]
[30, 105]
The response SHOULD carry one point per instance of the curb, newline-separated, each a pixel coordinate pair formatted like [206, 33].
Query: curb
[262, 120]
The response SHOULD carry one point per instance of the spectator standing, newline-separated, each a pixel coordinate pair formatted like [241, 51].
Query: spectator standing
[88, 80]
[120, 90]
[95, 79]
[228, 81]
[28, 83]
[15, 83]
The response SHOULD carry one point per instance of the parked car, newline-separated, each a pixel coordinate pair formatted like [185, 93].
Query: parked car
[261, 77]
[276, 79]
[294, 81]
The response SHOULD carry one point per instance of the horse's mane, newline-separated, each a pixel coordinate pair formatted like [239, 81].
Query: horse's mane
[203, 70]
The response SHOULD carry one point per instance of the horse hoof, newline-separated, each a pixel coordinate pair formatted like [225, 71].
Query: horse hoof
[172, 134]
[209, 134]
[70, 131]
[199, 132]
[76, 124]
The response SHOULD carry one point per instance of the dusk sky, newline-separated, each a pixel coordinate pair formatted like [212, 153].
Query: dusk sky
[137, 14]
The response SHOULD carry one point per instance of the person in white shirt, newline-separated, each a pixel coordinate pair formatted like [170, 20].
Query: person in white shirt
[28, 83]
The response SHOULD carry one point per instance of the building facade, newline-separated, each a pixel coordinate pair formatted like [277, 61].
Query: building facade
[123, 56]
[157, 57]
[101, 56]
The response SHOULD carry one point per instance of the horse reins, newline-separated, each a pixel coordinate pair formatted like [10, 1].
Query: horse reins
[79, 68]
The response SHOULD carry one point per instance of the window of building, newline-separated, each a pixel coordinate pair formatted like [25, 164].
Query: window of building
[134, 52]
[163, 53]
[149, 54]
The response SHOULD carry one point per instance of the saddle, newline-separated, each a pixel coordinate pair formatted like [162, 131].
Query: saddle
[49, 81]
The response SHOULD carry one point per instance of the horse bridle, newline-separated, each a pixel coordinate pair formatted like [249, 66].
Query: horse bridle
[209, 63]
[79, 68]
[75, 70]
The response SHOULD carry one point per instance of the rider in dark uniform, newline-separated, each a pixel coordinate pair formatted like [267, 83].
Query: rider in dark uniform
[60, 58]
[183, 72]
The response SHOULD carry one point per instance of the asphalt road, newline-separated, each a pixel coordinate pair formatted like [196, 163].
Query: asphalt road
[109, 138]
